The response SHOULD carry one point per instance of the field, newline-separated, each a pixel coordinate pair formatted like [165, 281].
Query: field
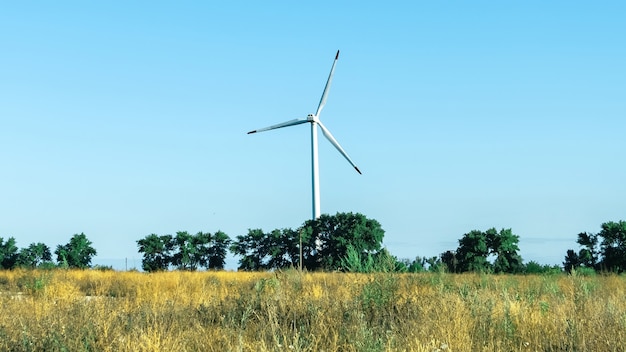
[288, 311]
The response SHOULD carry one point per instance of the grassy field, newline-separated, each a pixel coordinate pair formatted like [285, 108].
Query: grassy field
[288, 311]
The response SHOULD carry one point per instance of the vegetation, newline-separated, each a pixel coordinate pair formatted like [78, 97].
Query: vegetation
[348, 242]
[325, 243]
[8, 253]
[77, 253]
[604, 251]
[91, 310]
[379, 302]
[274, 250]
[475, 248]
[34, 255]
[184, 251]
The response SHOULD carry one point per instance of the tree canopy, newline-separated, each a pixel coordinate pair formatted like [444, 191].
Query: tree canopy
[8, 253]
[184, 251]
[476, 247]
[77, 253]
[605, 250]
[344, 242]
[34, 255]
[325, 243]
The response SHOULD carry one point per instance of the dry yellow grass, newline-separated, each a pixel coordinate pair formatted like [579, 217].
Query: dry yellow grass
[228, 311]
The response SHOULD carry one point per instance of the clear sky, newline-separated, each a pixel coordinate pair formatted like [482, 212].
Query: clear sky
[120, 119]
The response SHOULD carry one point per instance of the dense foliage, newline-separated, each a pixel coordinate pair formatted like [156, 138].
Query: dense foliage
[77, 253]
[603, 251]
[325, 243]
[184, 251]
[476, 247]
[347, 242]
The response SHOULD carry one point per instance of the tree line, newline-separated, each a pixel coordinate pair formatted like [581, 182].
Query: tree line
[340, 242]
[77, 253]
[602, 251]
[184, 251]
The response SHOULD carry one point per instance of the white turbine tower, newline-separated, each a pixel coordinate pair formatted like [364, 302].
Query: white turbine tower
[314, 120]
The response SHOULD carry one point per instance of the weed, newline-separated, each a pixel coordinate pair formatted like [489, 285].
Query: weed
[92, 310]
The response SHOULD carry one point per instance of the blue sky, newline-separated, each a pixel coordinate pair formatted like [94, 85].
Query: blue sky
[122, 119]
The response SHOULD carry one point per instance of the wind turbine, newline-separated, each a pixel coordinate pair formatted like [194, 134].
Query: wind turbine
[314, 120]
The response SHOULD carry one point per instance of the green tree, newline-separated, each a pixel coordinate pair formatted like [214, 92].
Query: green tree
[532, 267]
[209, 250]
[201, 242]
[329, 237]
[504, 246]
[472, 252]
[282, 247]
[34, 255]
[476, 247]
[278, 249]
[324, 243]
[218, 250]
[613, 246]
[450, 261]
[184, 251]
[416, 265]
[189, 251]
[252, 248]
[77, 253]
[434, 264]
[572, 261]
[589, 255]
[605, 250]
[156, 252]
[8, 253]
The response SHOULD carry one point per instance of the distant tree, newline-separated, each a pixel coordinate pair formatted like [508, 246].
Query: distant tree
[605, 250]
[532, 267]
[476, 247]
[34, 255]
[589, 255]
[421, 264]
[184, 252]
[156, 252]
[504, 246]
[434, 264]
[613, 246]
[77, 253]
[252, 248]
[262, 251]
[324, 243]
[572, 261]
[331, 236]
[8, 253]
[218, 250]
[472, 252]
[416, 265]
[450, 261]
[282, 247]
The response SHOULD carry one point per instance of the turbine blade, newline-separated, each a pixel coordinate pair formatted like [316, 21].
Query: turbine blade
[334, 142]
[281, 125]
[325, 94]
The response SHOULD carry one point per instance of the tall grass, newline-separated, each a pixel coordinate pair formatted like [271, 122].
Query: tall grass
[289, 311]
